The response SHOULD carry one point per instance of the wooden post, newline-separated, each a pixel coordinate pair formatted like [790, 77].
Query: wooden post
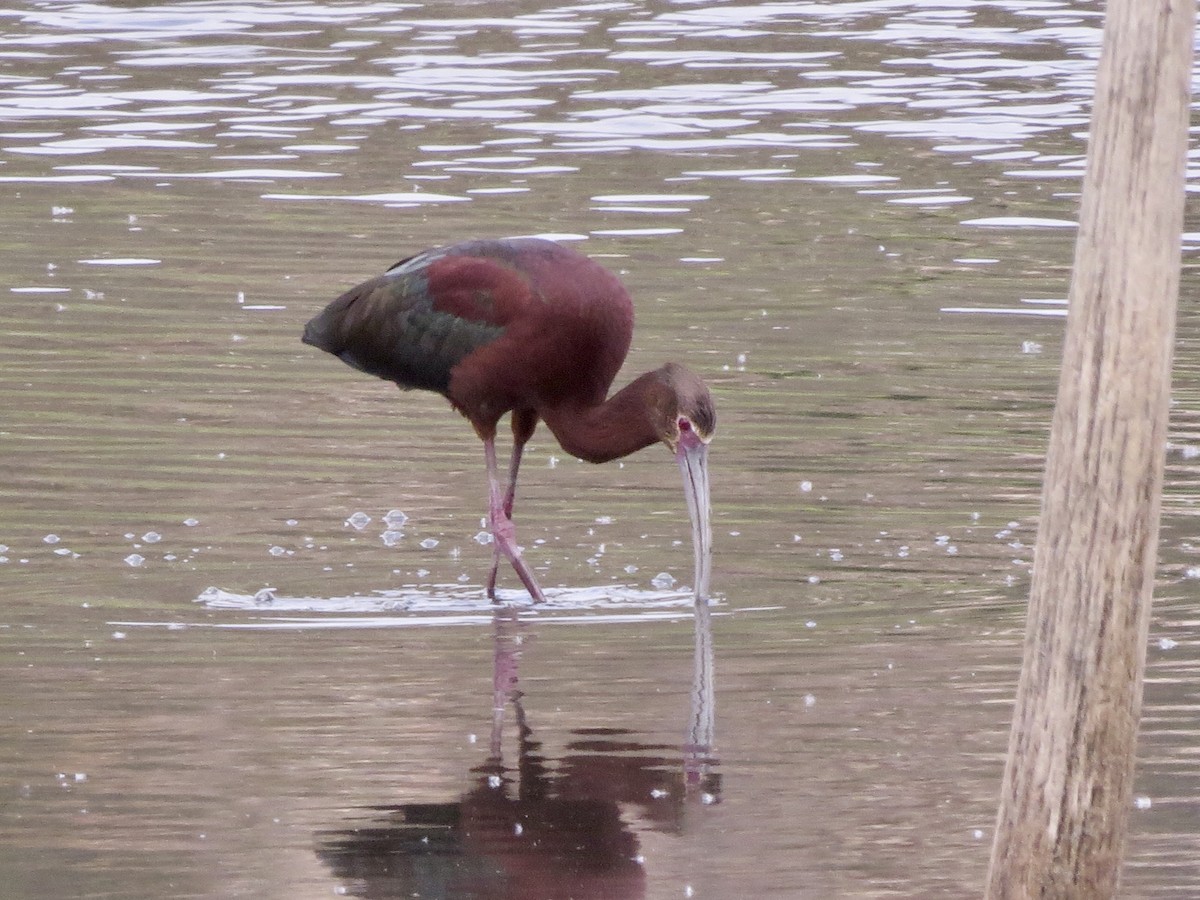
[1068, 782]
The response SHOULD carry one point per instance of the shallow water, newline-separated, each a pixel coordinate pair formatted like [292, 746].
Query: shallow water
[853, 219]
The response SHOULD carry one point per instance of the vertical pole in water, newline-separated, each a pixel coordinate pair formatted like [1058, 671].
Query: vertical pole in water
[1068, 781]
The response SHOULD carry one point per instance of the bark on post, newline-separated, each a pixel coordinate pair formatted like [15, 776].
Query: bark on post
[1068, 782]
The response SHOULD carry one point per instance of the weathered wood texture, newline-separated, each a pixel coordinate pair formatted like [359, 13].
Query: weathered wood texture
[1068, 783]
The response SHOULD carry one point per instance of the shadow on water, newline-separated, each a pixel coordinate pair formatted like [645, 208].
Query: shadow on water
[533, 826]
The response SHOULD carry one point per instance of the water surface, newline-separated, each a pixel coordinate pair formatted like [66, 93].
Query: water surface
[853, 219]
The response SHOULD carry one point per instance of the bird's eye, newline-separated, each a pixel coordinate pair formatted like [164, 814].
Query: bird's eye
[685, 425]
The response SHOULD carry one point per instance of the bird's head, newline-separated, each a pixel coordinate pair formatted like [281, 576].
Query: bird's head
[682, 408]
[685, 419]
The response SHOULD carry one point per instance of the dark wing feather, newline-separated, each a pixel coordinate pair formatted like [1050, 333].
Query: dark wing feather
[415, 323]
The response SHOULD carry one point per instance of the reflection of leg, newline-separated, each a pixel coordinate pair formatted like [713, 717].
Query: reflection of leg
[503, 533]
[506, 654]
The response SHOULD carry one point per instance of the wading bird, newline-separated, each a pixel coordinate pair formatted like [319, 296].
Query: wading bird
[528, 327]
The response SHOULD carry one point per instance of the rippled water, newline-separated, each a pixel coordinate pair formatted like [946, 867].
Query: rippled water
[231, 673]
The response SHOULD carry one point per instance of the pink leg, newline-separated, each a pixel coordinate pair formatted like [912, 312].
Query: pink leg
[503, 533]
[509, 496]
[524, 422]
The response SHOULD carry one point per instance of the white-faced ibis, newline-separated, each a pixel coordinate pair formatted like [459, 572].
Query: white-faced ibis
[528, 327]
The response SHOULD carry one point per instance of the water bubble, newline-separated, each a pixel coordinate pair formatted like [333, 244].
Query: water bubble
[421, 573]
[1031, 347]
[292, 522]
[604, 520]
[118, 635]
[630, 569]
[280, 551]
[429, 543]
[977, 834]
[663, 581]
[1192, 571]
[191, 522]
[836, 555]
[659, 793]
[494, 781]
[484, 537]
[51, 539]
[806, 486]
[814, 579]
[62, 551]
[1167, 644]
[1142, 802]
[391, 537]
[134, 559]
[151, 537]
[359, 521]
[395, 518]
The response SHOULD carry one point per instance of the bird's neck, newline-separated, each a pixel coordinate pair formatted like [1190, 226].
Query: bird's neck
[615, 428]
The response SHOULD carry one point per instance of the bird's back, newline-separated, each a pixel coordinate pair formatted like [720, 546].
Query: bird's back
[492, 325]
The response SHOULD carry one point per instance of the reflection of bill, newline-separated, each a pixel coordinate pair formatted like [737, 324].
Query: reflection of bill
[540, 827]
[699, 751]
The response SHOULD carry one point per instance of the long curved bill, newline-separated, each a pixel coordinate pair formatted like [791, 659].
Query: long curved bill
[692, 456]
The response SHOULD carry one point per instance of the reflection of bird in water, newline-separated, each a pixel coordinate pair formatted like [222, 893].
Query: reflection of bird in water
[540, 828]
[528, 327]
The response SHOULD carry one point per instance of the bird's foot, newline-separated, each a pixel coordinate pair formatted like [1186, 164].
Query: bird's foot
[504, 538]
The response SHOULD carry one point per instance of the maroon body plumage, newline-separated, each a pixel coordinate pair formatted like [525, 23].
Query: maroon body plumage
[528, 327]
